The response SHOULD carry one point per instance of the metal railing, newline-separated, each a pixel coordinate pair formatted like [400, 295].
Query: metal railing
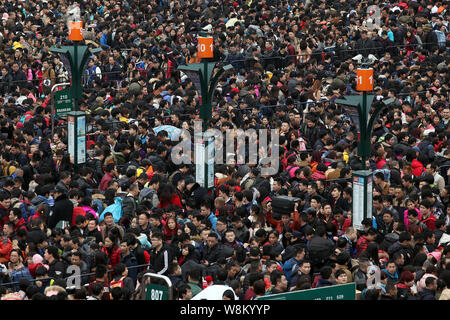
[89, 275]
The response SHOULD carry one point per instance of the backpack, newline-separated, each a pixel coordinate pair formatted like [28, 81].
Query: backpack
[27, 211]
[146, 194]
[115, 209]
[8, 167]
[173, 175]
[100, 206]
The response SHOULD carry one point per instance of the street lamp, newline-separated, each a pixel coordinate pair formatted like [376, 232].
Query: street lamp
[77, 57]
[205, 76]
[362, 179]
[203, 80]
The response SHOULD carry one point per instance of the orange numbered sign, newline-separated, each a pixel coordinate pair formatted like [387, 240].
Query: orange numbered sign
[75, 30]
[364, 79]
[205, 48]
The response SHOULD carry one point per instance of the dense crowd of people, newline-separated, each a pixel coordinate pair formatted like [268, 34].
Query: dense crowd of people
[92, 232]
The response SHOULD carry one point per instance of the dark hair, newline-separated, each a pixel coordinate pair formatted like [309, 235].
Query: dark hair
[326, 272]
[429, 280]
[53, 251]
[97, 288]
[276, 276]
[229, 294]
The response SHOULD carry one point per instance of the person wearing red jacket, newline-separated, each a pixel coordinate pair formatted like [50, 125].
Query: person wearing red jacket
[15, 216]
[169, 197]
[170, 228]
[292, 220]
[427, 216]
[5, 249]
[341, 222]
[112, 250]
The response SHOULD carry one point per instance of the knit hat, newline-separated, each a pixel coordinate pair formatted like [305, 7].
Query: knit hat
[37, 258]
[436, 255]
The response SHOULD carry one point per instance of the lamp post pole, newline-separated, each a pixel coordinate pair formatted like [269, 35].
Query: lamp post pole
[77, 56]
[201, 76]
[362, 179]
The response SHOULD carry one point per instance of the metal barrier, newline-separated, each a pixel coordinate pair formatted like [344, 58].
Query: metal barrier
[109, 272]
[145, 286]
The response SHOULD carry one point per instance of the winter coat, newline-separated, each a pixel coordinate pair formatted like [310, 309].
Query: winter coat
[288, 267]
[5, 250]
[62, 211]
[160, 260]
[417, 168]
[190, 265]
[19, 274]
[175, 200]
[56, 270]
[404, 292]
[323, 283]
[113, 255]
[426, 294]
[129, 206]
[212, 254]
[320, 249]
[421, 283]
[36, 235]
[131, 263]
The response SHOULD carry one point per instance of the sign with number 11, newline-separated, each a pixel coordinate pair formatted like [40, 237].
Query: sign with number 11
[364, 79]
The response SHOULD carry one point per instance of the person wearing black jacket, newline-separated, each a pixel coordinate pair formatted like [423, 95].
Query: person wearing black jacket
[391, 292]
[213, 250]
[428, 293]
[17, 75]
[36, 235]
[5, 81]
[160, 254]
[56, 266]
[113, 70]
[128, 258]
[62, 210]
[365, 45]
[189, 261]
[320, 248]
[138, 251]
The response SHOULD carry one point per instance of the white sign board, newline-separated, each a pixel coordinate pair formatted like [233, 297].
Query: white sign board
[360, 198]
[210, 161]
[199, 149]
[71, 129]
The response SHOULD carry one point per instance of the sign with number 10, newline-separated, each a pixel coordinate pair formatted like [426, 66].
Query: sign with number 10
[205, 48]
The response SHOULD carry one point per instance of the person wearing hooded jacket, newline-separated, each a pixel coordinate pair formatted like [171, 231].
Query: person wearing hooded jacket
[160, 254]
[320, 247]
[430, 290]
[62, 210]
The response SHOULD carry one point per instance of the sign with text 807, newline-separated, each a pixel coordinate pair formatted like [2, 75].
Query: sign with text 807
[155, 292]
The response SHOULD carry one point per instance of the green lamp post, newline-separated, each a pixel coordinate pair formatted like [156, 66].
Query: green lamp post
[77, 56]
[362, 179]
[205, 77]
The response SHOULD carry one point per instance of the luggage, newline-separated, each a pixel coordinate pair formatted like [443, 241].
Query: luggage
[283, 204]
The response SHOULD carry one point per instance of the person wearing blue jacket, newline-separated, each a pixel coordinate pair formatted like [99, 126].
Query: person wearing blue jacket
[205, 210]
[289, 265]
[391, 271]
